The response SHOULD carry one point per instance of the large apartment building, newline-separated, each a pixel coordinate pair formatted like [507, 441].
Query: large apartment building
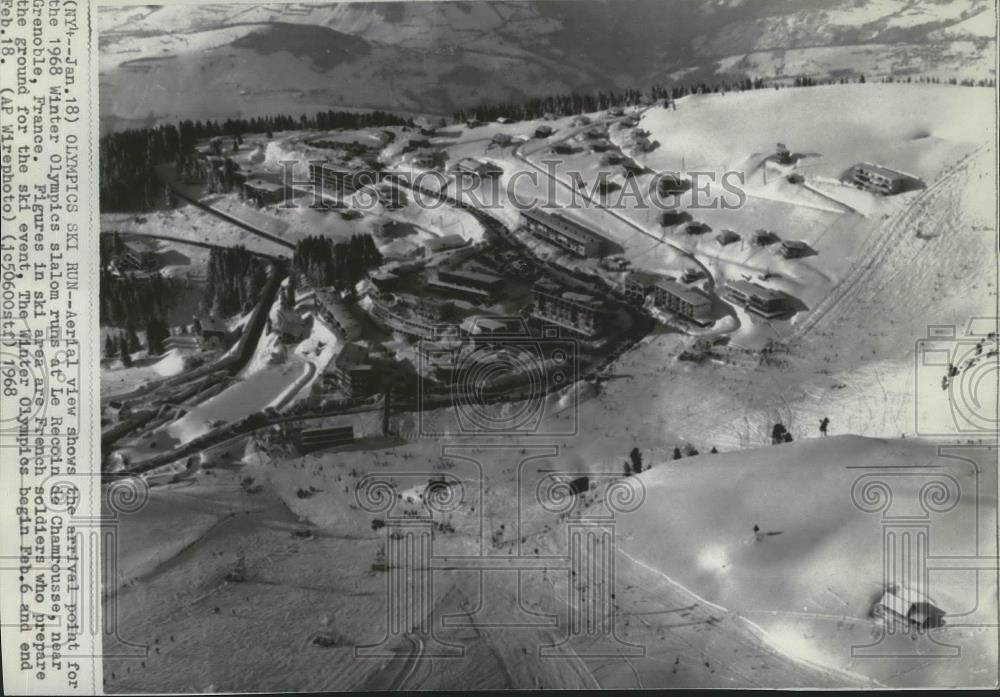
[878, 179]
[691, 303]
[577, 312]
[760, 300]
[472, 284]
[568, 234]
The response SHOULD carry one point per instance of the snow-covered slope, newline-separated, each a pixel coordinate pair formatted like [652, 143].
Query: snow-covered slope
[809, 581]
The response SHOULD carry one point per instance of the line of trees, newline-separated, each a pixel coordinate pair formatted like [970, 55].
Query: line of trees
[235, 279]
[576, 103]
[342, 264]
[132, 301]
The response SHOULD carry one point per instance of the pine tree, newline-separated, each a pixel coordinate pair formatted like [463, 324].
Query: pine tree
[124, 352]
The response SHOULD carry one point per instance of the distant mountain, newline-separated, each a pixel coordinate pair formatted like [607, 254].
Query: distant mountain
[214, 61]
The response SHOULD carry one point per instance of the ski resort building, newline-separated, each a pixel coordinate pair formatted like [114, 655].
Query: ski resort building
[577, 312]
[483, 330]
[795, 249]
[393, 314]
[138, 253]
[758, 299]
[333, 177]
[691, 303]
[908, 608]
[727, 237]
[638, 285]
[213, 332]
[568, 234]
[471, 284]
[444, 243]
[473, 167]
[877, 179]
[313, 439]
[263, 192]
[763, 238]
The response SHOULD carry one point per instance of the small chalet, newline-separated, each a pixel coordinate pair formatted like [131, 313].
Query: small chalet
[908, 607]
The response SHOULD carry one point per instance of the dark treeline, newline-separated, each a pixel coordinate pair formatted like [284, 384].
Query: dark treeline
[235, 280]
[132, 301]
[576, 103]
[128, 158]
[342, 264]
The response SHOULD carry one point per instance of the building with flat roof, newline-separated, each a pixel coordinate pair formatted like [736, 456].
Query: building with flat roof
[473, 284]
[638, 284]
[334, 177]
[795, 249]
[568, 234]
[313, 439]
[691, 303]
[263, 192]
[578, 312]
[483, 329]
[444, 243]
[877, 179]
[474, 167]
[138, 253]
[758, 299]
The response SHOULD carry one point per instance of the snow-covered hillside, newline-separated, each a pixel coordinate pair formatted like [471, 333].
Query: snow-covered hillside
[222, 60]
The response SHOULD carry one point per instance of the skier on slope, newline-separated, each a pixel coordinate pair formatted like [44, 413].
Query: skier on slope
[823, 425]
